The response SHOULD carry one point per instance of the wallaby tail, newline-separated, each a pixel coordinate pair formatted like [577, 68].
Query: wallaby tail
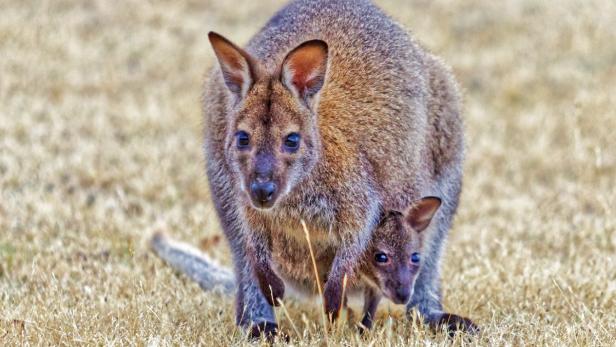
[195, 264]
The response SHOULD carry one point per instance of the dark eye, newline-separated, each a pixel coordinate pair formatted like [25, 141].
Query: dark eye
[415, 258]
[291, 142]
[381, 257]
[243, 140]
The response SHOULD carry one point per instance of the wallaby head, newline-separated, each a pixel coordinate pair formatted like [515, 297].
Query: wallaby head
[394, 257]
[273, 139]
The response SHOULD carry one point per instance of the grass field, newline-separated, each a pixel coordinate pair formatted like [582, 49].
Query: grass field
[100, 141]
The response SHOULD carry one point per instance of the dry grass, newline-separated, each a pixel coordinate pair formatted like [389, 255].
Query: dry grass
[100, 140]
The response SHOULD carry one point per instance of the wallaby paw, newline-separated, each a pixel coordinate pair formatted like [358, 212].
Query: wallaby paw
[272, 287]
[277, 291]
[455, 323]
[268, 330]
[332, 299]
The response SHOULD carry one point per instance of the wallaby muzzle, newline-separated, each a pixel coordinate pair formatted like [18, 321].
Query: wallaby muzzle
[263, 193]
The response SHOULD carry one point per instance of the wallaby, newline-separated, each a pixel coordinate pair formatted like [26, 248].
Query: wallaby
[332, 114]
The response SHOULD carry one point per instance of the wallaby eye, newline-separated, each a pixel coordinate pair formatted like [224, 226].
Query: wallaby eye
[243, 139]
[291, 142]
[415, 258]
[381, 257]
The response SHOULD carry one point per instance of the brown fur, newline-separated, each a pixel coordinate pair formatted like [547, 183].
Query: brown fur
[380, 127]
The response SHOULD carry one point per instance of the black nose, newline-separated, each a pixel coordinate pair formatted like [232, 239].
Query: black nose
[403, 295]
[263, 191]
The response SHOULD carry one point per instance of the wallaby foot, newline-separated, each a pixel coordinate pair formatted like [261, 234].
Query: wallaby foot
[268, 330]
[454, 323]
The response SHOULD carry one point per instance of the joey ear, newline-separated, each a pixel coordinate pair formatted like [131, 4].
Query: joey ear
[238, 67]
[421, 212]
[304, 68]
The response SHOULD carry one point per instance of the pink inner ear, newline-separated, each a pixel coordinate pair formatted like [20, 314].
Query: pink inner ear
[234, 68]
[234, 64]
[305, 67]
[419, 224]
[303, 83]
[420, 215]
[307, 80]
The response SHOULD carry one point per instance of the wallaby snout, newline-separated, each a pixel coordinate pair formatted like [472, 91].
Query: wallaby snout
[263, 193]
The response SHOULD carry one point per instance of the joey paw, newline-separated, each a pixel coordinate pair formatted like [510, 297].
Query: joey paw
[366, 324]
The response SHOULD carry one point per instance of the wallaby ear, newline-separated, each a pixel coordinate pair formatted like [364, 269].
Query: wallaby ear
[238, 67]
[421, 212]
[304, 68]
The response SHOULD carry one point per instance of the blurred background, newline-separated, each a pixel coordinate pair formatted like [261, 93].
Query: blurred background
[100, 141]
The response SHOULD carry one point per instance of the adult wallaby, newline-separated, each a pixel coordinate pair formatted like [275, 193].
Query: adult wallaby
[331, 115]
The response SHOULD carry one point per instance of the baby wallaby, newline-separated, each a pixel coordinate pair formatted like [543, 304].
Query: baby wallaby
[391, 263]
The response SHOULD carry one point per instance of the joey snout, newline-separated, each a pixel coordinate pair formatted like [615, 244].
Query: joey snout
[401, 295]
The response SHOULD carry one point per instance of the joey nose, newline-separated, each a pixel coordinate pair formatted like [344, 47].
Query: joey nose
[263, 192]
[403, 295]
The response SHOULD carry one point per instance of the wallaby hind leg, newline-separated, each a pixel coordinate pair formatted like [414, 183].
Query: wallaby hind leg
[427, 291]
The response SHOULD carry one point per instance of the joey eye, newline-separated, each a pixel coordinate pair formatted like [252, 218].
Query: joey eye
[242, 139]
[381, 258]
[291, 142]
[415, 258]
